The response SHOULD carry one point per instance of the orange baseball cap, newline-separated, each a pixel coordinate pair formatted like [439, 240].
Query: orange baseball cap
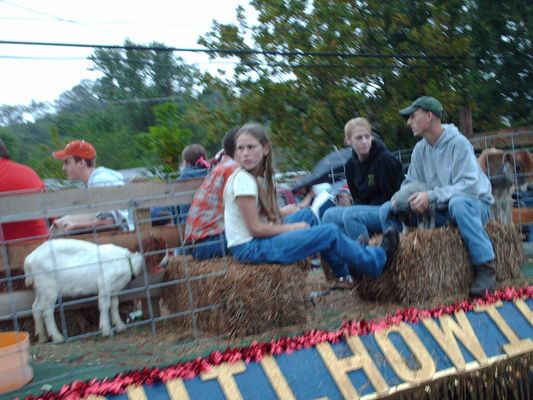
[76, 148]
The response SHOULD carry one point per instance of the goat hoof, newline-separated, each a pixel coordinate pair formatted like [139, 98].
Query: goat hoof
[59, 339]
[120, 327]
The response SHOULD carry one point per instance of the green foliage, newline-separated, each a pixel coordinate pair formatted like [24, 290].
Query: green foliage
[311, 98]
[11, 142]
[503, 56]
[167, 138]
[370, 58]
[41, 160]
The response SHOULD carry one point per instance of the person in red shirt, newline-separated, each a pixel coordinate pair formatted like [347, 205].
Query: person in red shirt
[18, 178]
[204, 227]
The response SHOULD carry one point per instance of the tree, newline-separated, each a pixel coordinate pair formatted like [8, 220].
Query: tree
[11, 142]
[370, 59]
[503, 53]
[140, 76]
[167, 138]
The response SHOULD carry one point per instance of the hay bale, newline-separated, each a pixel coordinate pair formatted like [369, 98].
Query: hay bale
[250, 298]
[432, 263]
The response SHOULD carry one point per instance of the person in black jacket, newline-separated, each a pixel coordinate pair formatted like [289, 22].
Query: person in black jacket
[373, 175]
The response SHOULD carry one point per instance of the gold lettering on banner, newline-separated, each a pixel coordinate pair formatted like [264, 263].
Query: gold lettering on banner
[446, 338]
[135, 392]
[276, 378]
[525, 310]
[516, 345]
[224, 374]
[339, 368]
[176, 390]
[395, 359]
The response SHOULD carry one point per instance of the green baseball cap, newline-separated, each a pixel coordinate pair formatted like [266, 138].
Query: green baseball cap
[427, 103]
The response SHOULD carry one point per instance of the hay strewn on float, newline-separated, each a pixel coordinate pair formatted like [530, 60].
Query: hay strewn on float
[250, 298]
[430, 263]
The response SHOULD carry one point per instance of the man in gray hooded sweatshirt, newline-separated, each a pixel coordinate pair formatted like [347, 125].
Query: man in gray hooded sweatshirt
[445, 160]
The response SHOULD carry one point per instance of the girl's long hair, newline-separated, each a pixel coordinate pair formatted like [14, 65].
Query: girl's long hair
[264, 173]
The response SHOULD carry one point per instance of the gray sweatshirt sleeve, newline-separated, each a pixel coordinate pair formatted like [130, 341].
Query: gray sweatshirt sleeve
[450, 168]
[464, 178]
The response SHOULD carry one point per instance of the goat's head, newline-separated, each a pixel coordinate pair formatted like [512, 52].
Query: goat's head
[169, 255]
[152, 249]
[137, 261]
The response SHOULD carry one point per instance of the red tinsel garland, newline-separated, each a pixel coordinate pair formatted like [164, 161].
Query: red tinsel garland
[254, 352]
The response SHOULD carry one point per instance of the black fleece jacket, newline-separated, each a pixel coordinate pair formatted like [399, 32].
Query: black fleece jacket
[374, 180]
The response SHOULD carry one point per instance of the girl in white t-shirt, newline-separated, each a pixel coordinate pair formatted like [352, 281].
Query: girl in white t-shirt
[255, 233]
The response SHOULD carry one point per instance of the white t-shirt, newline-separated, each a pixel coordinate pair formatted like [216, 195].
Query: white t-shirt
[240, 183]
[102, 176]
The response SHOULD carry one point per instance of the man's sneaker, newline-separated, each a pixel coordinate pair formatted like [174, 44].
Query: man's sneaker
[390, 241]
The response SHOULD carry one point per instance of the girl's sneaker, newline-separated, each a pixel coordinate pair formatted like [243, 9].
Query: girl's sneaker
[344, 283]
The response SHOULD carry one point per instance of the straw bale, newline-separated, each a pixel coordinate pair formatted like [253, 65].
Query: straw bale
[250, 298]
[434, 263]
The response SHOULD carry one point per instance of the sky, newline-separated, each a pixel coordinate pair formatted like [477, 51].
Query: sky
[42, 73]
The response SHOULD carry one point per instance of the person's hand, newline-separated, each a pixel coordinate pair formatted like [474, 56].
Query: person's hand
[288, 210]
[65, 223]
[419, 202]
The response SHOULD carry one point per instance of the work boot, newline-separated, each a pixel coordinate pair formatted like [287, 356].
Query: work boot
[485, 279]
[390, 241]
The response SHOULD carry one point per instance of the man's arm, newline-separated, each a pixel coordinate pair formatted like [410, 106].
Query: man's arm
[75, 222]
[465, 177]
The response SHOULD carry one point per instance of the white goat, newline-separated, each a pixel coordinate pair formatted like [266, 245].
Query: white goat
[401, 208]
[74, 268]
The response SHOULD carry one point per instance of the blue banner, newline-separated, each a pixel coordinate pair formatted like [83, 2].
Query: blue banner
[395, 358]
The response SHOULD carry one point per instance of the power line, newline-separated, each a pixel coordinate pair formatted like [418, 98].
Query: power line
[252, 64]
[108, 22]
[235, 52]
[40, 12]
[61, 19]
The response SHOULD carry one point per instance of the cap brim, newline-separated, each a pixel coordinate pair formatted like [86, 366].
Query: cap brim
[60, 155]
[408, 111]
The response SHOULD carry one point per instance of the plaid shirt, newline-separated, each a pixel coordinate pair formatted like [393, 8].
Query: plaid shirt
[206, 215]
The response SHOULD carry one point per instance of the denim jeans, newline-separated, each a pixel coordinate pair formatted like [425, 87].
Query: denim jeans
[355, 220]
[327, 239]
[469, 215]
[210, 247]
[302, 215]
[217, 246]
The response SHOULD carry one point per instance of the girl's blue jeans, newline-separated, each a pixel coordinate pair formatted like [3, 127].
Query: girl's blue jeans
[327, 239]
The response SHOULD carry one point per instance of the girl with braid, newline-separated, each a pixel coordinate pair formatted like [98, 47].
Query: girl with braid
[256, 234]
